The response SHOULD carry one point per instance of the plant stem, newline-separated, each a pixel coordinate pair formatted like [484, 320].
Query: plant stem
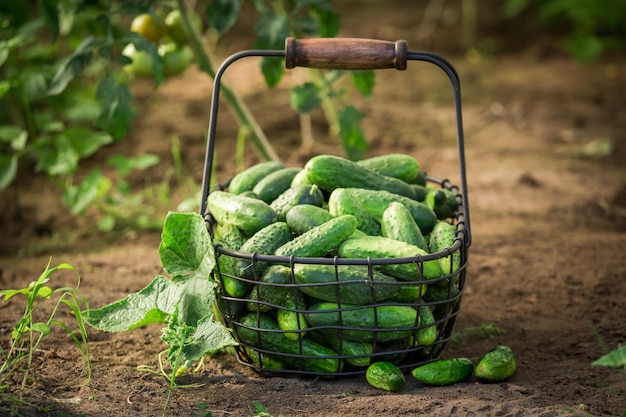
[242, 113]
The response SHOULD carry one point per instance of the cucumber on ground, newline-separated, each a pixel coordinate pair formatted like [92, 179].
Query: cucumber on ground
[376, 202]
[377, 247]
[385, 376]
[263, 242]
[229, 236]
[427, 333]
[320, 240]
[262, 332]
[275, 183]
[441, 238]
[330, 172]
[342, 202]
[497, 365]
[444, 371]
[401, 166]
[247, 179]
[302, 194]
[398, 223]
[249, 214]
[271, 289]
[381, 323]
[290, 318]
[349, 284]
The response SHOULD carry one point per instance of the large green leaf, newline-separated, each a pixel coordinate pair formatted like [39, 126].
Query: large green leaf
[305, 98]
[364, 81]
[352, 136]
[73, 65]
[116, 114]
[614, 359]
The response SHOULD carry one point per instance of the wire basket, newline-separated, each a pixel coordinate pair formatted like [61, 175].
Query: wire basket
[343, 337]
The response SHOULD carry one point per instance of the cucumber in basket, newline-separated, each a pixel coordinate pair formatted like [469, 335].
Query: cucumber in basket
[247, 213]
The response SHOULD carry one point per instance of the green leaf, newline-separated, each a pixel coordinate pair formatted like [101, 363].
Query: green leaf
[124, 164]
[614, 359]
[352, 136]
[87, 141]
[5, 85]
[222, 14]
[273, 70]
[8, 170]
[42, 328]
[305, 98]
[74, 65]
[116, 114]
[58, 157]
[329, 22]
[272, 30]
[14, 135]
[79, 198]
[186, 246]
[364, 81]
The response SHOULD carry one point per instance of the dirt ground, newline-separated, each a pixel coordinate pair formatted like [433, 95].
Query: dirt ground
[548, 221]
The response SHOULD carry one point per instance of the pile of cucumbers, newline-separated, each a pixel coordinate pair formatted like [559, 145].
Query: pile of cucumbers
[291, 312]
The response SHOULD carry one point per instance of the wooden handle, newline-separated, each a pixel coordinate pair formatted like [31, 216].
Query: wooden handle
[345, 53]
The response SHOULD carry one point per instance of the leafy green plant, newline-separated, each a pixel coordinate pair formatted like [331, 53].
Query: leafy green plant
[593, 28]
[30, 332]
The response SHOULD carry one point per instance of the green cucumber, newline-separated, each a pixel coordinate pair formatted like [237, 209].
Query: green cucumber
[246, 180]
[420, 179]
[262, 332]
[442, 298]
[497, 365]
[263, 242]
[398, 223]
[444, 202]
[410, 292]
[421, 191]
[320, 240]
[264, 361]
[444, 371]
[427, 334]
[331, 172]
[273, 287]
[229, 236]
[342, 202]
[274, 184]
[301, 178]
[304, 217]
[289, 318]
[441, 238]
[355, 352]
[302, 194]
[401, 166]
[376, 202]
[382, 247]
[381, 323]
[248, 214]
[386, 376]
[348, 284]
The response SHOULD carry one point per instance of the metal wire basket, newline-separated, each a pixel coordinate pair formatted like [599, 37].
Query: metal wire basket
[272, 351]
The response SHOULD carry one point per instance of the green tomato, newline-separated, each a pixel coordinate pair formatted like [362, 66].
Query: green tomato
[148, 26]
[141, 64]
[175, 29]
[176, 59]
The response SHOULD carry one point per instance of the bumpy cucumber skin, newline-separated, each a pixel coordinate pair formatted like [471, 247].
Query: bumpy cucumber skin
[304, 217]
[441, 238]
[289, 319]
[398, 223]
[497, 365]
[427, 334]
[249, 214]
[303, 194]
[385, 376]
[315, 357]
[320, 240]
[342, 202]
[265, 291]
[410, 292]
[444, 371]
[229, 236]
[247, 179]
[346, 292]
[376, 202]
[382, 247]
[264, 242]
[331, 172]
[275, 183]
[397, 322]
[401, 166]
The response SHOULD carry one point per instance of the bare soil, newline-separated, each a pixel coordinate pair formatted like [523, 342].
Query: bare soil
[546, 265]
